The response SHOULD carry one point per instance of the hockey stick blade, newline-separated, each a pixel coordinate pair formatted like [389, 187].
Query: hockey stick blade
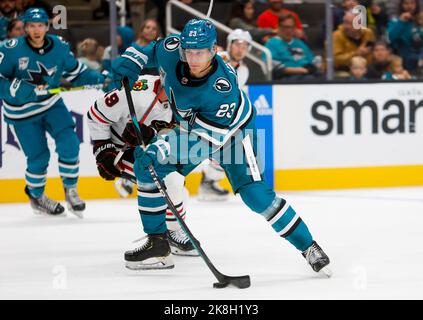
[241, 282]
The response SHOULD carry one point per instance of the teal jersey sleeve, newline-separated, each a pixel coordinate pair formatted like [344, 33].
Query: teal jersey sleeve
[7, 70]
[76, 72]
[308, 54]
[144, 57]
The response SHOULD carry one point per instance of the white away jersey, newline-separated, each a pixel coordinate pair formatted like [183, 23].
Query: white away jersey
[108, 117]
[242, 71]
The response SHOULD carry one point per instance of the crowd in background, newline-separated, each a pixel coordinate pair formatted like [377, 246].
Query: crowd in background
[389, 48]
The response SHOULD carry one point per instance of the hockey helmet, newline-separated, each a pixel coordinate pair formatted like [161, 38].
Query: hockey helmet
[35, 15]
[240, 35]
[198, 34]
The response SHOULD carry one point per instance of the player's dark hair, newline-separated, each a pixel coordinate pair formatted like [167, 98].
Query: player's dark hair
[12, 23]
[237, 11]
[285, 17]
[415, 13]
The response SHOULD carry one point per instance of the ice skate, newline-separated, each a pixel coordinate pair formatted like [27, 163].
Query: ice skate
[153, 254]
[210, 190]
[45, 205]
[317, 259]
[180, 244]
[124, 187]
[74, 203]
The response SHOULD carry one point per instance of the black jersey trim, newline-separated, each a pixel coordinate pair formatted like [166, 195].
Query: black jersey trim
[96, 108]
[46, 48]
[291, 230]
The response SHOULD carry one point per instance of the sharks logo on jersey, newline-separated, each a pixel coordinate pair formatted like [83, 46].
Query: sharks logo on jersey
[171, 44]
[185, 114]
[37, 77]
[222, 85]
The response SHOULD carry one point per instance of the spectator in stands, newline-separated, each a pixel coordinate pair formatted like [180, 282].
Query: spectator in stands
[339, 11]
[381, 59]
[269, 19]
[418, 39]
[400, 31]
[26, 4]
[349, 42]
[8, 11]
[377, 17]
[292, 57]
[242, 17]
[149, 31]
[358, 68]
[137, 12]
[124, 39]
[393, 5]
[15, 29]
[396, 70]
[88, 53]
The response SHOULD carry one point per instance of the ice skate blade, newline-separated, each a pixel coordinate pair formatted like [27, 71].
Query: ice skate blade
[79, 214]
[45, 214]
[178, 252]
[209, 198]
[151, 264]
[325, 271]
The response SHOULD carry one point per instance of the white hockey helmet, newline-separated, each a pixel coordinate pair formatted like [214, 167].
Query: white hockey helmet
[238, 34]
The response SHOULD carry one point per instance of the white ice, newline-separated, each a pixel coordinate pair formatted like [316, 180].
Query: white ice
[373, 237]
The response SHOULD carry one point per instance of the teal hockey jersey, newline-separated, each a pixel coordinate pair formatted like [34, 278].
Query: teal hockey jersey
[213, 107]
[40, 67]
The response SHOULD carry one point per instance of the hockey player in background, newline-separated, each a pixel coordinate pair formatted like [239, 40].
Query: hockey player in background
[38, 61]
[220, 121]
[238, 44]
[110, 130]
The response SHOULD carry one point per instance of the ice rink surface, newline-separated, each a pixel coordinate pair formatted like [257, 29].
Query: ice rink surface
[373, 237]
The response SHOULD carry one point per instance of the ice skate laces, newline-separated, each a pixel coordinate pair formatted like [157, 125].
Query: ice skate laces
[313, 253]
[47, 203]
[144, 246]
[179, 236]
[73, 196]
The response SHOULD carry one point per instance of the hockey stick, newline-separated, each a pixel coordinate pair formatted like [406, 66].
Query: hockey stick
[66, 89]
[224, 280]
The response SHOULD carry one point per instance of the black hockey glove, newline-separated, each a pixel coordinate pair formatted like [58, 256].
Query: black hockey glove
[129, 136]
[105, 153]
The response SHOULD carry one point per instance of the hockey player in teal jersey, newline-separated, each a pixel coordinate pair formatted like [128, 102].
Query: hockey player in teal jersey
[38, 61]
[215, 117]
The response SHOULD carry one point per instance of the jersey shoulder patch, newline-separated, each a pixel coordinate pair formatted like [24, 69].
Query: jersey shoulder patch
[140, 85]
[9, 44]
[171, 43]
[222, 85]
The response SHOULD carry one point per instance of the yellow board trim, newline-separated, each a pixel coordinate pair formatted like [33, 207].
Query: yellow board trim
[348, 178]
[11, 190]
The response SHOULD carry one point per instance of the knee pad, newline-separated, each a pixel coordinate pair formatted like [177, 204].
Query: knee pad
[257, 196]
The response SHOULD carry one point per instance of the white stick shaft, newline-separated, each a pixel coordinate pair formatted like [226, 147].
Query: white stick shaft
[210, 9]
